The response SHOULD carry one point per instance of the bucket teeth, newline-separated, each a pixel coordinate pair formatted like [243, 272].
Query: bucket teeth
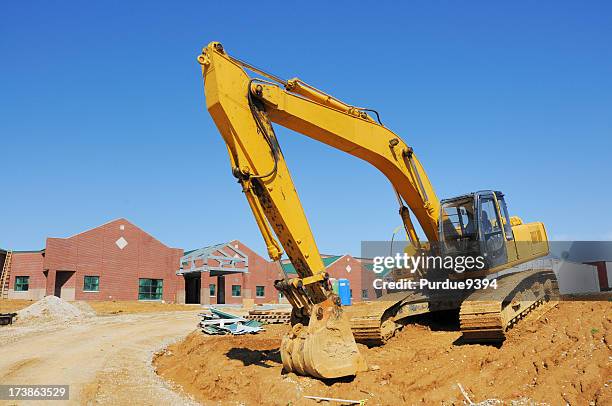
[323, 349]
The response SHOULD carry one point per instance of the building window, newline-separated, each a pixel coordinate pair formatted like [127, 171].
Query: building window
[236, 290]
[364, 294]
[260, 291]
[91, 284]
[211, 289]
[22, 283]
[150, 289]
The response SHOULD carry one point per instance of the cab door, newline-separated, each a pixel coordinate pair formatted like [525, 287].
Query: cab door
[511, 248]
[490, 231]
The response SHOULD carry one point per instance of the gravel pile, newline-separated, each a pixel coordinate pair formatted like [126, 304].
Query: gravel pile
[49, 309]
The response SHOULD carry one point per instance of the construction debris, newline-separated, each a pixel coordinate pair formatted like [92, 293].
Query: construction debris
[263, 313]
[270, 316]
[218, 322]
[465, 395]
[343, 401]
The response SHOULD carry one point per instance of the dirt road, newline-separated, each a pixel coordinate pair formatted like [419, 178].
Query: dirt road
[105, 360]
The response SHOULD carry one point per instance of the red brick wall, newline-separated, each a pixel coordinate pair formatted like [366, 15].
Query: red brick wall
[28, 264]
[95, 253]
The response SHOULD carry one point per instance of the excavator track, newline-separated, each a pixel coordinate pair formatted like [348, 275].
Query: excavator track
[373, 323]
[486, 315]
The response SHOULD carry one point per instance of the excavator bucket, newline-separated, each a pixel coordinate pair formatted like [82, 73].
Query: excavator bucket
[325, 348]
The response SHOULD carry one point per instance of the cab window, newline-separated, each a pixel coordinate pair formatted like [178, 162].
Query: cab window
[458, 220]
[488, 217]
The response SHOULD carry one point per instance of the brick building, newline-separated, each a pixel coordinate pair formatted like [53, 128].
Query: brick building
[120, 261]
[230, 272]
[115, 261]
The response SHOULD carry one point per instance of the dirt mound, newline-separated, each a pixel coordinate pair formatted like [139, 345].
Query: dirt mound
[85, 308]
[49, 309]
[564, 356]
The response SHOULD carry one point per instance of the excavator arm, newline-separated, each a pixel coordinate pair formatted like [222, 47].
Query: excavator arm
[243, 109]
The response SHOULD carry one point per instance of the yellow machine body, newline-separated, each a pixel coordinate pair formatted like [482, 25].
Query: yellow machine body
[243, 108]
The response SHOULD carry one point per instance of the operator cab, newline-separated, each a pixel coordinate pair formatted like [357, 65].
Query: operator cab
[476, 224]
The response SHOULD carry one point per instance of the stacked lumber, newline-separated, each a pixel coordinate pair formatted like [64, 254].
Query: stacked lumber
[270, 316]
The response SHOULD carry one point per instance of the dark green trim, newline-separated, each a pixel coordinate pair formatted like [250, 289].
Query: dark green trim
[290, 269]
[150, 289]
[90, 284]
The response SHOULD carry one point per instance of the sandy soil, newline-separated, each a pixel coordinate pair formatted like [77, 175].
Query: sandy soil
[562, 356]
[105, 360]
[105, 307]
[118, 307]
[13, 305]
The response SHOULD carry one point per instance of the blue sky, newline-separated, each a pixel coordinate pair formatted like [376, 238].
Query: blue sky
[103, 115]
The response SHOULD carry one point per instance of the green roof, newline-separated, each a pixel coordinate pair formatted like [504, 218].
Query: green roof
[370, 267]
[288, 267]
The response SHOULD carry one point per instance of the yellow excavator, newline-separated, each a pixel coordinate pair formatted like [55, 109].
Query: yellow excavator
[322, 341]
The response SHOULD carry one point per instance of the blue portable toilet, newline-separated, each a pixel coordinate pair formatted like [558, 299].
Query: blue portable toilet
[344, 291]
